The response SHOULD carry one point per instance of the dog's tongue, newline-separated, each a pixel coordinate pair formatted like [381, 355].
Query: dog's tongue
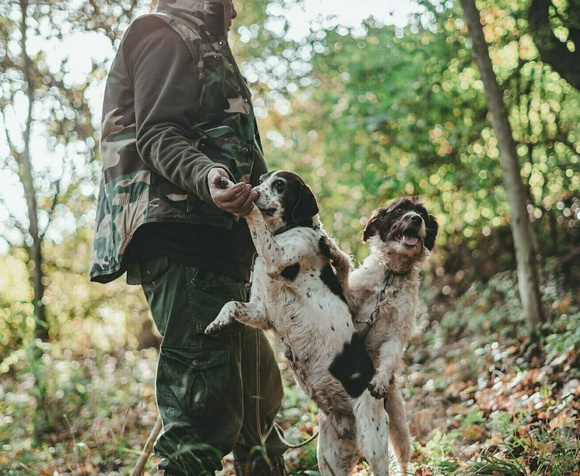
[410, 240]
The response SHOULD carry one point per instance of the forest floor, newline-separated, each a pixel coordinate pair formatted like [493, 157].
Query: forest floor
[483, 398]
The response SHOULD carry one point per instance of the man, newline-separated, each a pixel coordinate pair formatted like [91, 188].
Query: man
[177, 117]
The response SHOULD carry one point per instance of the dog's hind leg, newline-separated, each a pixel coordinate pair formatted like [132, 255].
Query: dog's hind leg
[399, 435]
[336, 455]
[372, 424]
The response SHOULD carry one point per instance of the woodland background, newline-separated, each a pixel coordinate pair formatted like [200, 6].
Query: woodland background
[364, 114]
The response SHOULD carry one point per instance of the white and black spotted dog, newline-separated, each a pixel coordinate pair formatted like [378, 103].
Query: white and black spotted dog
[383, 294]
[296, 294]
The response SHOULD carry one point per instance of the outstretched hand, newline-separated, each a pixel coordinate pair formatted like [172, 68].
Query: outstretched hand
[237, 199]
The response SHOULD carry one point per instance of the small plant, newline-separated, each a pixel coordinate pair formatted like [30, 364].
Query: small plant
[490, 465]
[440, 452]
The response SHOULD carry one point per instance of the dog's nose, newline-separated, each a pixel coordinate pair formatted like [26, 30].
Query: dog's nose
[416, 219]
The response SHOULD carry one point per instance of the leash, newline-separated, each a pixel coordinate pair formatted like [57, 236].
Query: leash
[280, 432]
[262, 437]
[275, 425]
[389, 278]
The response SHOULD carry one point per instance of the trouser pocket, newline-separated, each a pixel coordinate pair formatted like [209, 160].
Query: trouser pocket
[199, 398]
[184, 300]
[208, 292]
[198, 379]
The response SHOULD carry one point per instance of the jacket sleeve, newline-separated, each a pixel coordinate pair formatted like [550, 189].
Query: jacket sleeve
[167, 92]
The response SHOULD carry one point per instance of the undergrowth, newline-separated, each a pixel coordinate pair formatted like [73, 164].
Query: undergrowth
[483, 398]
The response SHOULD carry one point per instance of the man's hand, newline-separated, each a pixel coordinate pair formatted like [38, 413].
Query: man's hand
[233, 198]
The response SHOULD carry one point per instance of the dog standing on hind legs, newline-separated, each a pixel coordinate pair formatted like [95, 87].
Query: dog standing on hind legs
[296, 294]
[383, 293]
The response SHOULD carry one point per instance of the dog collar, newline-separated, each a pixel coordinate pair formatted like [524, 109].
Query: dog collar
[286, 228]
[389, 278]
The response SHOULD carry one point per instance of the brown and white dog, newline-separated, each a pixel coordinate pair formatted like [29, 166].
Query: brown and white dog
[296, 294]
[383, 294]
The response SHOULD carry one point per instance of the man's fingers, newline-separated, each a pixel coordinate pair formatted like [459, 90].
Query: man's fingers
[237, 193]
[246, 207]
[235, 198]
[243, 202]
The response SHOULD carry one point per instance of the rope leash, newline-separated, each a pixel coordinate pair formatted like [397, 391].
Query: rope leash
[259, 393]
[275, 425]
[280, 432]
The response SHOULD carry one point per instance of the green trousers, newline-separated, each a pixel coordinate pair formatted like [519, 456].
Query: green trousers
[216, 395]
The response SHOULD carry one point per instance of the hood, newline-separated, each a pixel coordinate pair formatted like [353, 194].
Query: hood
[209, 12]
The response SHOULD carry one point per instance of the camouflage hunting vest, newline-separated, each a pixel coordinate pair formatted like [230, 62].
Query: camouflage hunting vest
[131, 193]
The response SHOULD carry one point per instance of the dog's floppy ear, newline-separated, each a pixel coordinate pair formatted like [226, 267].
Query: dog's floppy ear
[371, 227]
[306, 205]
[432, 227]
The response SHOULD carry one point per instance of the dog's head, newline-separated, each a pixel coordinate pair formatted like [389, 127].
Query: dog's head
[404, 225]
[285, 201]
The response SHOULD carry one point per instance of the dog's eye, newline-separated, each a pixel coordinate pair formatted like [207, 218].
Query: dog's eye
[279, 185]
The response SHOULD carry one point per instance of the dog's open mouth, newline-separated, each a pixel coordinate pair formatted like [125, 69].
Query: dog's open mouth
[410, 237]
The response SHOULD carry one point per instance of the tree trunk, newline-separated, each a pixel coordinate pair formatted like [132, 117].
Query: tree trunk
[25, 172]
[522, 231]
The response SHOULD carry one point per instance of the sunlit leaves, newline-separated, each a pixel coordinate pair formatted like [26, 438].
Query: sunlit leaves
[393, 106]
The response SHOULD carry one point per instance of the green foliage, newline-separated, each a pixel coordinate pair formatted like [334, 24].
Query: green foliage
[389, 111]
[489, 465]
[498, 400]
[492, 305]
[100, 408]
[364, 114]
[438, 449]
[15, 305]
[87, 315]
[480, 399]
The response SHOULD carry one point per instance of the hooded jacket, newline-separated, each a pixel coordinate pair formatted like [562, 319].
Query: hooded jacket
[175, 106]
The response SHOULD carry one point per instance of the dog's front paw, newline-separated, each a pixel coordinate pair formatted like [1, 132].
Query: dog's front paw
[379, 388]
[331, 250]
[326, 246]
[340, 260]
[224, 319]
[224, 183]
[216, 327]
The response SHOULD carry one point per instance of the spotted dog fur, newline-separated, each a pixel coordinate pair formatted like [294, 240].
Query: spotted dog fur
[383, 296]
[296, 294]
